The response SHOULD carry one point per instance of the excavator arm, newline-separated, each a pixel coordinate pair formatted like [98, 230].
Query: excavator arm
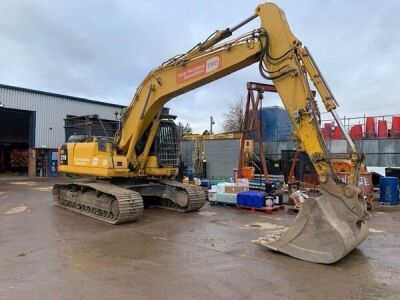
[177, 76]
[276, 50]
[328, 226]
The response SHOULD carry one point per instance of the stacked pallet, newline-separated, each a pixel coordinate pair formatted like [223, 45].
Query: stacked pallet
[19, 158]
[226, 192]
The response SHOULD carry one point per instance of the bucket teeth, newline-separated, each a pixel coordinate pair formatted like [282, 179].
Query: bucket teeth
[268, 239]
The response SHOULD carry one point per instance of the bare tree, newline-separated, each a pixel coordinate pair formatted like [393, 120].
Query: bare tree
[234, 117]
[187, 129]
[184, 129]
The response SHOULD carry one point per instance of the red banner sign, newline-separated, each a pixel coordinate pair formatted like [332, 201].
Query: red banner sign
[197, 69]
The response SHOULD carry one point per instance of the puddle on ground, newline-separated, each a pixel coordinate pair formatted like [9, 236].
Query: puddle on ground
[160, 238]
[44, 189]
[207, 213]
[263, 225]
[16, 210]
[376, 230]
[28, 183]
[275, 218]
[222, 222]
[380, 213]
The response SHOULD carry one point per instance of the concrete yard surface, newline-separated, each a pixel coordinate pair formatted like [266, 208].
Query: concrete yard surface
[47, 252]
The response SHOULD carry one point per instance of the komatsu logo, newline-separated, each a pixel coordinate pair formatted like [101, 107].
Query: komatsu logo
[78, 161]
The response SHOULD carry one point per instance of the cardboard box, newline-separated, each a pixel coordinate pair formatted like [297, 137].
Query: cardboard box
[236, 189]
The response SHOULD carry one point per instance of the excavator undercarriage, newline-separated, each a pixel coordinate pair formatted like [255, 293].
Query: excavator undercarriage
[99, 200]
[123, 201]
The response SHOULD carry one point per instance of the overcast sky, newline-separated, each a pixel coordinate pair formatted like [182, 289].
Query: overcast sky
[103, 49]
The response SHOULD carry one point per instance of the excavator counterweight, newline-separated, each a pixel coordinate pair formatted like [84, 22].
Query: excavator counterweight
[142, 159]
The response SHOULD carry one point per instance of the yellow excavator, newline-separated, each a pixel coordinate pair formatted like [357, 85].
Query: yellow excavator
[141, 161]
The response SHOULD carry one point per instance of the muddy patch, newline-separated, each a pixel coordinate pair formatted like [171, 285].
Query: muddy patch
[263, 226]
[207, 213]
[373, 230]
[27, 183]
[44, 189]
[16, 210]
[160, 238]
[3, 195]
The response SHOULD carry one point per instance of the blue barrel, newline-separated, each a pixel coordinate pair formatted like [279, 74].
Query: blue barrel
[259, 200]
[241, 199]
[389, 190]
[205, 183]
[251, 199]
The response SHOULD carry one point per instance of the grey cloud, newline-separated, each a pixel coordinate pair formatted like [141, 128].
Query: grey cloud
[103, 49]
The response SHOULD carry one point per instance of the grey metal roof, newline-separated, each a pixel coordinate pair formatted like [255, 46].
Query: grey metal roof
[49, 111]
[60, 95]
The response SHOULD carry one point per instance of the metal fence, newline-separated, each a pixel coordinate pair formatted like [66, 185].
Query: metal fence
[365, 127]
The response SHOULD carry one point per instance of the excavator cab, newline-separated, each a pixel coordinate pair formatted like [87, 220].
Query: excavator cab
[166, 144]
[164, 151]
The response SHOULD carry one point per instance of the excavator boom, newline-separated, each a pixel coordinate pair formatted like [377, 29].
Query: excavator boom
[327, 227]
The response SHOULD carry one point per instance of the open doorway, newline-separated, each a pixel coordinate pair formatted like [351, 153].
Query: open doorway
[17, 129]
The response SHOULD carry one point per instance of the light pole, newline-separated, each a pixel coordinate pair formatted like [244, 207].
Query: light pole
[212, 122]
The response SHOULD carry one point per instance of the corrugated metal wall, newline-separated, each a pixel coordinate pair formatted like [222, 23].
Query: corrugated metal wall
[51, 112]
[222, 157]
[378, 153]
[187, 148]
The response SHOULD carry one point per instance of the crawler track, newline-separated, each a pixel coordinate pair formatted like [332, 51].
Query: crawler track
[100, 200]
[196, 195]
[115, 204]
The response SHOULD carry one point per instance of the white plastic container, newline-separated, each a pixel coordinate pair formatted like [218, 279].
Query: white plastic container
[242, 182]
[212, 195]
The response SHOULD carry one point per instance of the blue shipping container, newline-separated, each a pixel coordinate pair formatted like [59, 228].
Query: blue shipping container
[389, 190]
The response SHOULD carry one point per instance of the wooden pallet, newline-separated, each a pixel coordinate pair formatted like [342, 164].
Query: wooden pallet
[265, 209]
[293, 210]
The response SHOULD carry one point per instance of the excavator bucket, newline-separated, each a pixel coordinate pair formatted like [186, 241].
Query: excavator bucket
[325, 230]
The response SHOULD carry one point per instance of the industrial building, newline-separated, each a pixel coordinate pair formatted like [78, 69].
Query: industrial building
[32, 126]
